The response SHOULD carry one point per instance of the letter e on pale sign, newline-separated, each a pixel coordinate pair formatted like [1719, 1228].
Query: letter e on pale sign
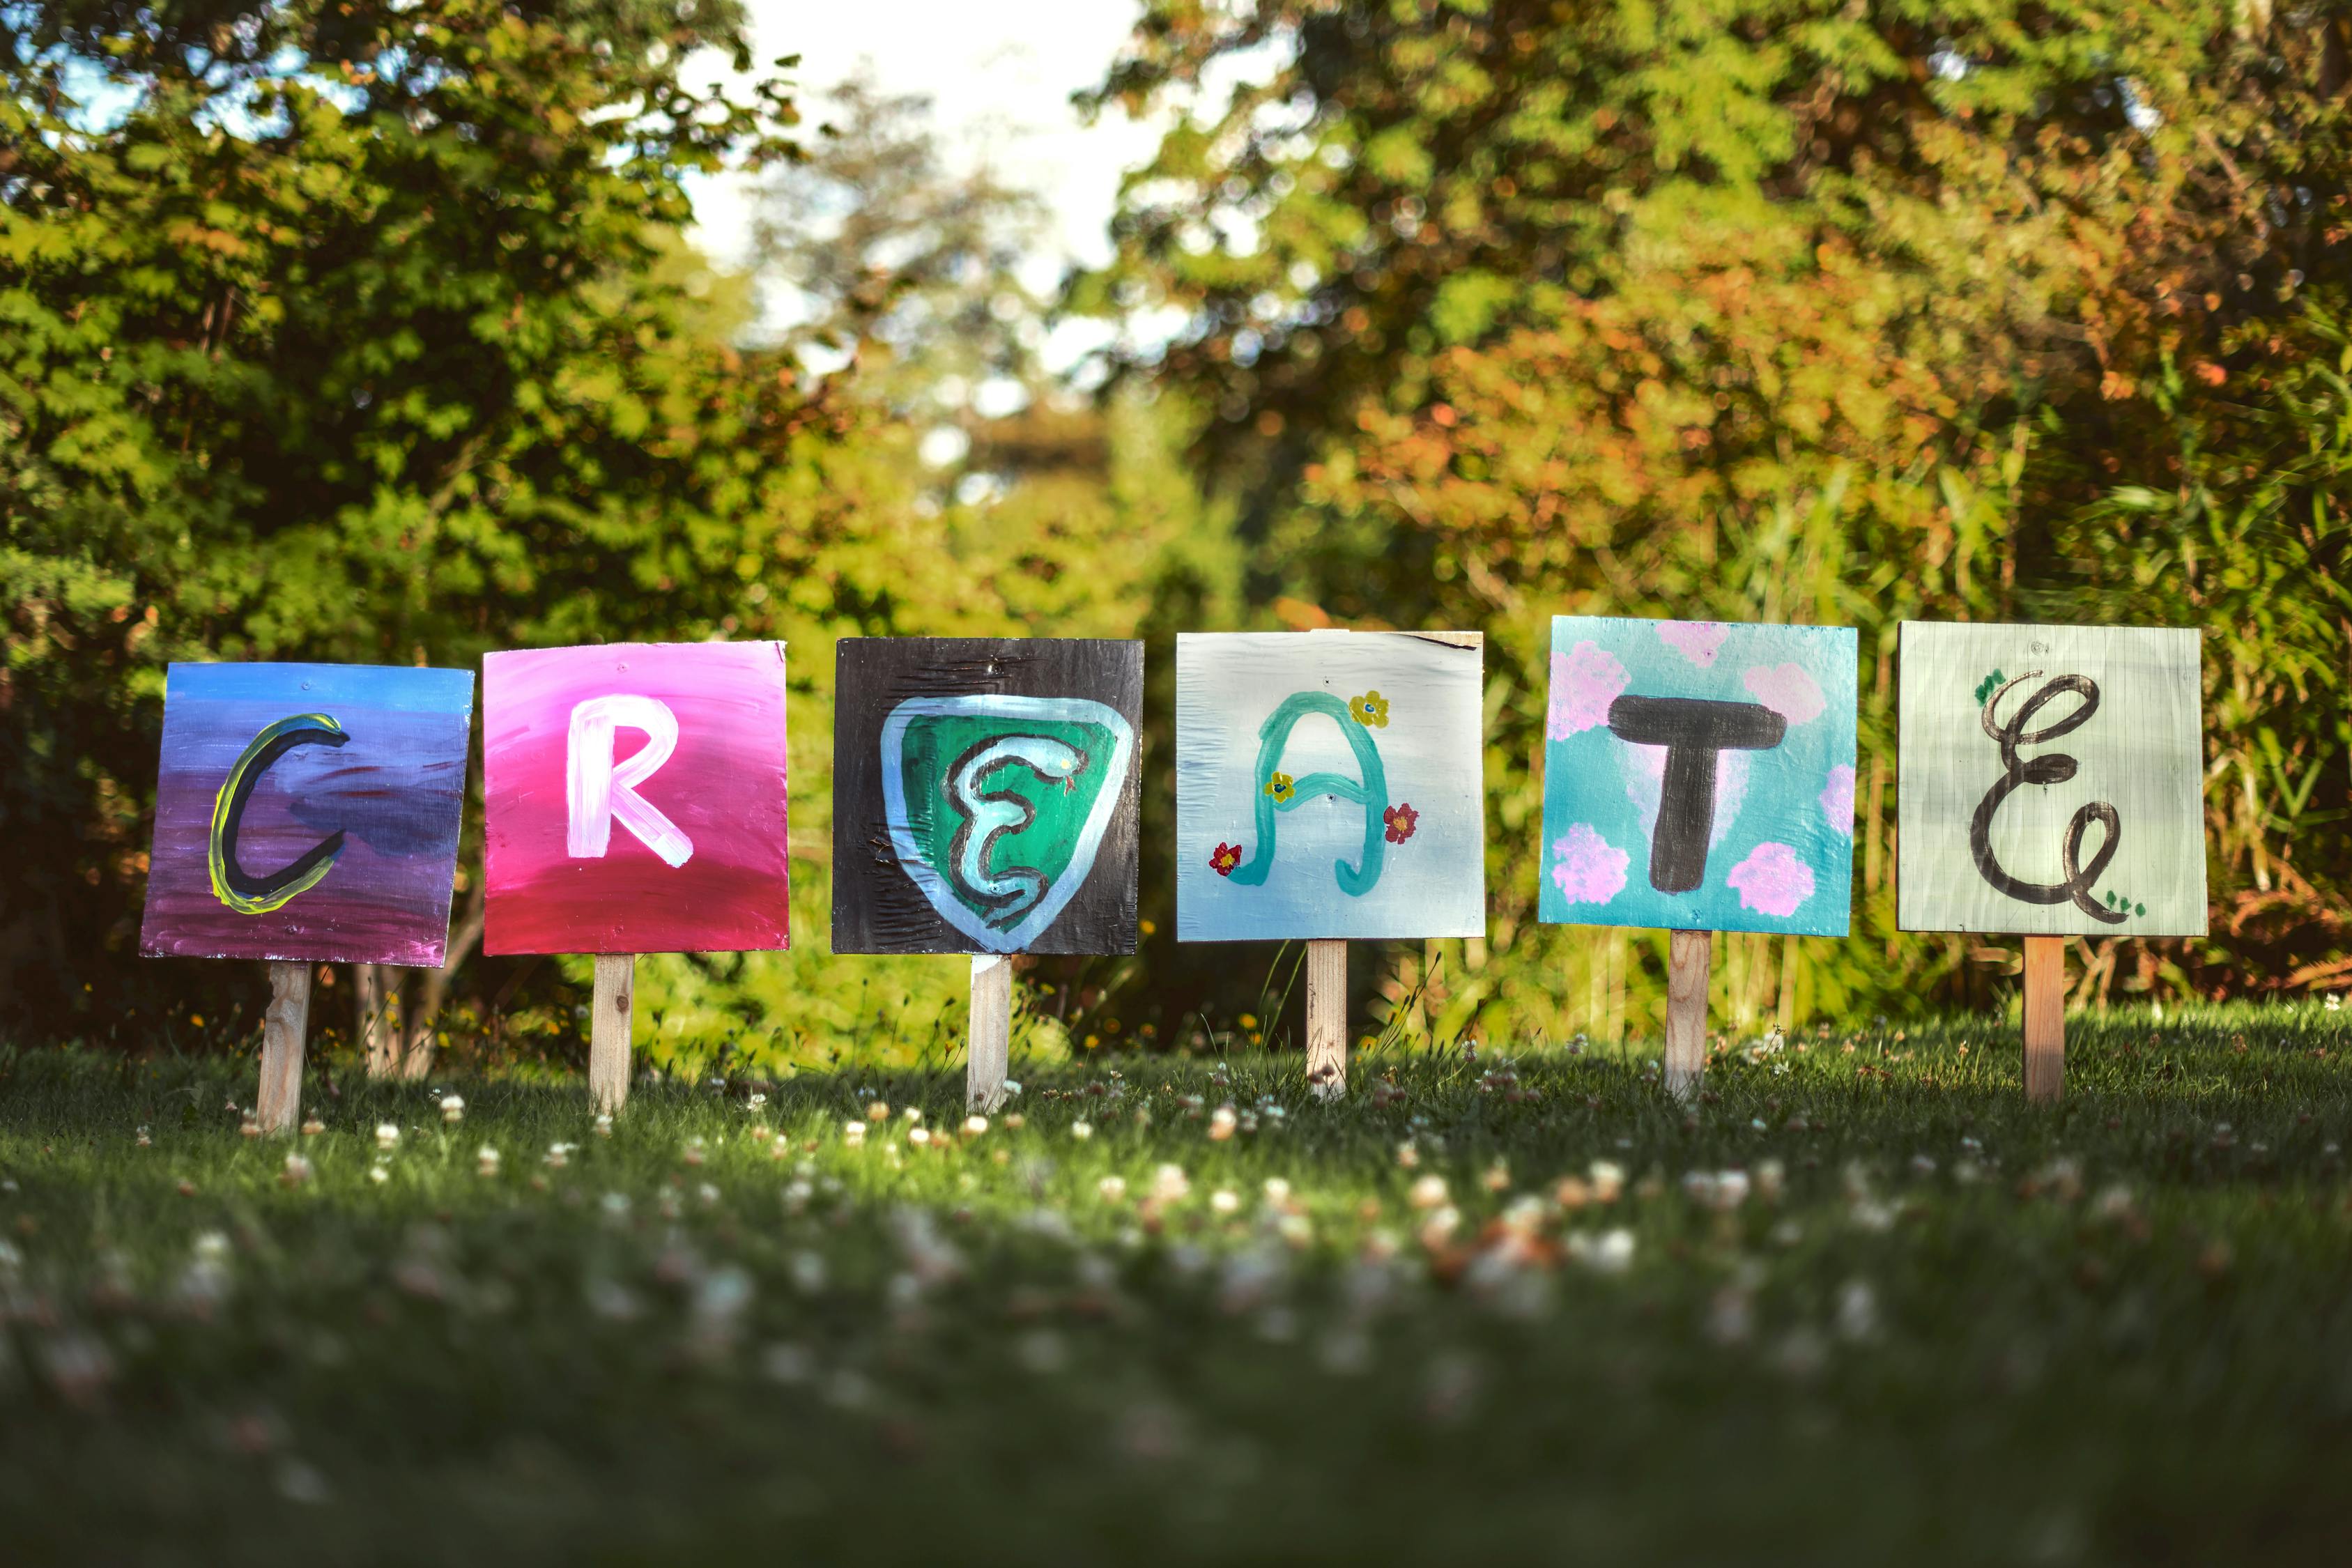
[599, 789]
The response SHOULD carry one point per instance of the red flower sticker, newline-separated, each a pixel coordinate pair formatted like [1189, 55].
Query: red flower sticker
[1401, 820]
[1225, 857]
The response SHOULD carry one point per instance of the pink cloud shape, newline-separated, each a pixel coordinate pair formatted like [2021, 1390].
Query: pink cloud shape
[1694, 640]
[1585, 869]
[1772, 880]
[1837, 800]
[1788, 691]
[1584, 682]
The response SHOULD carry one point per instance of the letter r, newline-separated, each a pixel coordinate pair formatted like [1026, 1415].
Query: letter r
[598, 789]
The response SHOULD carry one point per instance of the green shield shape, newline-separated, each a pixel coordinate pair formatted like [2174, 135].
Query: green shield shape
[998, 805]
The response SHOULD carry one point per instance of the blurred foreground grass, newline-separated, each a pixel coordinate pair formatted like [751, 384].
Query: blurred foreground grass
[1858, 1304]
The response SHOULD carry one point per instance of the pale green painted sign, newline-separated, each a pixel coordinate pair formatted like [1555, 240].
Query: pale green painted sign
[2051, 780]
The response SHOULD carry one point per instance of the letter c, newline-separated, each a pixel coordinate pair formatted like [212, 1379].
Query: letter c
[231, 884]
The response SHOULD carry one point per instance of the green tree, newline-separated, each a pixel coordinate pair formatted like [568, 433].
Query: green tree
[343, 331]
[1830, 312]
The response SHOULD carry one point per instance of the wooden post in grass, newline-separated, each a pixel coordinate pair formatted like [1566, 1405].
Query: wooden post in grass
[1327, 1018]
[608, 1029]
[1329, 789]
[1688, 955]
[990, 1050]
[278, 1107]
[586, 753]
[985, 802]
[2054, 786]
[252, 859]
[2045, 1018]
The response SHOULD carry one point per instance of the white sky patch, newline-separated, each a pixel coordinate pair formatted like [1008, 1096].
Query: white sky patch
[1000, 79]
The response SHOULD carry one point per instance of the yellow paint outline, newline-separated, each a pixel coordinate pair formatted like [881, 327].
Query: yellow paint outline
[212, 855]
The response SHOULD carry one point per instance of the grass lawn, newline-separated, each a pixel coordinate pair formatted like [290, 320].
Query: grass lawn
[1859, 1304]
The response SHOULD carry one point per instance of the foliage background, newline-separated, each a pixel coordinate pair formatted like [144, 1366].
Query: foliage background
[368, 332]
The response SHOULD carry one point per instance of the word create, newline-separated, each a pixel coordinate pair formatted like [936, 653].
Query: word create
[1700, 775]
[1329, 785]
[985, 795]
[307, 812]
[679, 745]
[2004, 830]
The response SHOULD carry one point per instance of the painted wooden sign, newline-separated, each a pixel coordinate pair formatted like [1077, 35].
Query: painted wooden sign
[1699, 775]
[636, 798]
[2053, 781]
[985, 795]
[307, 812]
[1329, 785]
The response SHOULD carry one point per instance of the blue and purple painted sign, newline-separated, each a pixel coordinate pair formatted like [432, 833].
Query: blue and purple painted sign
[1700, 775]
[307, 812]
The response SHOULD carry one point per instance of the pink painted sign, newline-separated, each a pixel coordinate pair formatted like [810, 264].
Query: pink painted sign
[636, 798]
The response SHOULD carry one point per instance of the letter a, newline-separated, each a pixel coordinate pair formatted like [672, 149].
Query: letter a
[599, 790]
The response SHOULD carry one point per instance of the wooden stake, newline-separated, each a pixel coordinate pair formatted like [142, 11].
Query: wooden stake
[1687, 956]
[378, 1037]
[988, 1051]
[608, 1029]
[1327, 1018]
[278, 1107]
[2045, 1018]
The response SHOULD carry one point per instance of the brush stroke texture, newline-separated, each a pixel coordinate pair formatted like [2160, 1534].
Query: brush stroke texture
[1330, 864]
[395, 790]
[1775, 855]
[723, 787]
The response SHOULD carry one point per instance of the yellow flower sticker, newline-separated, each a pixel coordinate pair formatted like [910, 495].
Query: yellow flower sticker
[1370, 710]
[1280, 785]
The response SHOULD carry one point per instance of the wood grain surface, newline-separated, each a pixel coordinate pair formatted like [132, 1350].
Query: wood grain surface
[2051, 781]
[985, 795]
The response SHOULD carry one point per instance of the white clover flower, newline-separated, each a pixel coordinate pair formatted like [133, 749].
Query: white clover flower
[1613, 1252]
[603, 1125]
[486, 1161]
[1169, 1184]
[918, 1136]
[1082, 1131]
[387, 1136]
[1225, 1200]
[1221, 1123]
[1012, 1089]
[755, 1101]
[1857, 1310]
[379, 1174]
[1428, 1193]
[852, 1134]
[973, 1126]
[1111, 1189]
[452, 1108]
[1277, 1191]
[298, 1171]
[1608, 1181]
